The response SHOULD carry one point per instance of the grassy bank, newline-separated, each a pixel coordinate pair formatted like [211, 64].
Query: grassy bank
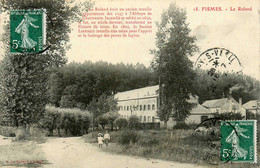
[16, 154]
[178, 145]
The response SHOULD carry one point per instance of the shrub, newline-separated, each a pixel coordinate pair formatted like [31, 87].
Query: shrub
[181, 125]
[228, 116]
[121, 123]
[148, 141]
[50, 119]
[8, 131]
[21, 135]
[111, 117]
[128, 136]
[73, 121]
[133, 122]
[102, 120]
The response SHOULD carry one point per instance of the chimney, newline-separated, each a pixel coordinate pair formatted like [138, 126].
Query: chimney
[229, 101]
[240, 101]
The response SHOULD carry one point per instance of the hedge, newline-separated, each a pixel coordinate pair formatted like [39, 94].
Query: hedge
[73, 121]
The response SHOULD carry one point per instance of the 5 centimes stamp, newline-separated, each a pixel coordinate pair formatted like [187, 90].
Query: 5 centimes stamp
[238, 141]
[27, 31]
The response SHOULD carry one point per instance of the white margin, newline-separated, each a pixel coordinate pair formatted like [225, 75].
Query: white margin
[44, 26]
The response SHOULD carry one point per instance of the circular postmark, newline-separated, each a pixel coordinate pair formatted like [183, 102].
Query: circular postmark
[220, 59]
[209, 132]
[218, 62]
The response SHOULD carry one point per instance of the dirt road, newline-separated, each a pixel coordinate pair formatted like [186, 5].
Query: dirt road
[75, 153]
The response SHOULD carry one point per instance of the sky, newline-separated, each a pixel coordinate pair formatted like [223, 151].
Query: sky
[237, 31]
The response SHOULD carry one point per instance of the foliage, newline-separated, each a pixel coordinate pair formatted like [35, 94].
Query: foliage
[133, 122]
[240, 86]
[176, 145]
[111, 117]
[121, 122]
[228, 116]
[174, 45]
[102, 105]
[181, 125]
[75, 121]
[102, 120]
[23, 89]
[60, 15]
[128, 136]
[76, 85]
[24, 76]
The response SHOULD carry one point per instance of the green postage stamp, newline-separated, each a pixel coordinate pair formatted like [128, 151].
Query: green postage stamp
[238, 141]
[27, 31]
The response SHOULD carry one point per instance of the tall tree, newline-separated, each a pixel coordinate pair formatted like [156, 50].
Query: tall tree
[102, 105]
[24, 76]
[174, 45]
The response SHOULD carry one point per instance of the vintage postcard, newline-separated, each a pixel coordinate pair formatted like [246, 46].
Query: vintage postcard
[129, 83]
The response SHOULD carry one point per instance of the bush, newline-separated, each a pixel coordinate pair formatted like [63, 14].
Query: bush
[148, 141]
[121, 123]
[181, 125]
[7, 131]
[74, 121]
[133, 122]
[228, 116]
[128, 136]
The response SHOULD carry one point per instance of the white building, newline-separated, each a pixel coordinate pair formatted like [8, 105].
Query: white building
[140, 102]
[143, 103]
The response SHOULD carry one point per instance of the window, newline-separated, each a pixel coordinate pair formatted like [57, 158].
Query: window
[144, 118]
[127, 108]
[203, 118]
[130, 107]
[148, 107]
[124, 108]
[140, 118]
[141, 107]
[149, 119]
[152, 119]
[144, 107]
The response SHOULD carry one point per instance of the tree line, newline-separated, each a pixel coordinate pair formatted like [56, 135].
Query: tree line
[76, 84]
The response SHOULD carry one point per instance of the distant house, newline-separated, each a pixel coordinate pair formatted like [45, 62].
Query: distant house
[198, 114]
[225, 105]
[252, 106]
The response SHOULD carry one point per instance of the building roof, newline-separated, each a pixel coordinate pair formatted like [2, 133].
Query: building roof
[216, 103]
[252, 104]
[149, 91]
[200, 109]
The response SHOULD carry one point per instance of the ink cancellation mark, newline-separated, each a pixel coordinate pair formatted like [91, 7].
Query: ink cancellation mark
[217, 61]
[219, 58]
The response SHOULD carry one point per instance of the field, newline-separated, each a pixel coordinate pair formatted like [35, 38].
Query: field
[177, 145]
[18, 154]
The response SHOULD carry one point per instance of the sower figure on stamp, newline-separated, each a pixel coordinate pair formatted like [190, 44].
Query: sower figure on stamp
[233, 138]
[100, 140]
[23, 29]
[107, 138]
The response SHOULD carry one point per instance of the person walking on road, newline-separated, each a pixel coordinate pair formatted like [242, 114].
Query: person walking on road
[100, 140]
[106, 138]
